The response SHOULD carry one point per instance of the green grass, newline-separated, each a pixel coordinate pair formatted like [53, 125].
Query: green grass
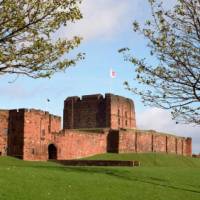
[152, 160]
[161, 177]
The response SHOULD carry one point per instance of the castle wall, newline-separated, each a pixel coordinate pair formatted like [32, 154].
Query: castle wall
[93, 124]
[69, 143]
[171, 144]
[122, 112]
[179, 146]
[152, 141]
[16, 133]
[88, 112]
[127, 141]
[184, 147]
[39, 131]
[3, 131]
[188, 146]
[159, 143]
[73, 144]
[144, 141]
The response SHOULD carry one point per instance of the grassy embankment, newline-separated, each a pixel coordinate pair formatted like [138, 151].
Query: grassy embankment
[160, 177]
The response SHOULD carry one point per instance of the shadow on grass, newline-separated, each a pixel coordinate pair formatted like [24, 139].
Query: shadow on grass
[121, 173]
[126, 175]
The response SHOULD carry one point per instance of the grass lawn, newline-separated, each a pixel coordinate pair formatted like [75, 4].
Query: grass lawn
[161, 177]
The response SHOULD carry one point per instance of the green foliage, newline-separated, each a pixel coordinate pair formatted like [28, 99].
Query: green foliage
[26, 29]
[22, 180]
[174, 40]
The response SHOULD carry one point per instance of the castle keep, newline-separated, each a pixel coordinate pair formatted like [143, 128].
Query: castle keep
[93, 124]
[95, 111]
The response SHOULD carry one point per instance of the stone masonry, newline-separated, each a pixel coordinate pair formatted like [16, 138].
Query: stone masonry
[93, 124]
[95, 111]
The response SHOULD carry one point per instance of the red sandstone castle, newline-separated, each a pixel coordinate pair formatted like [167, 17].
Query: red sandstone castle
[93, 124]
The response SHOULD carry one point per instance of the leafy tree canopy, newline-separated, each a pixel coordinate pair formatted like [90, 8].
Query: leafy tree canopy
[174, 40]
[26, 28]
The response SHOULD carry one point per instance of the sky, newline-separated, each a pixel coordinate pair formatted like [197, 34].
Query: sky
[106, 27]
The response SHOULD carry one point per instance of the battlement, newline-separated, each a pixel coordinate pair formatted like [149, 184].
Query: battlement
[93, 97]
[17, 110]
[74, 98]
[84, 98]
[114, 96]
[96, 97]
[33, 111]
[2, 110]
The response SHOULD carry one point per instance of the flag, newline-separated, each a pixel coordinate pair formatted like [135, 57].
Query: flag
[112, 74]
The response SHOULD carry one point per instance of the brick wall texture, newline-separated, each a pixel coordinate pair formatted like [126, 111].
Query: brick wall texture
[92, 125]
[151, 141]
[3, 131]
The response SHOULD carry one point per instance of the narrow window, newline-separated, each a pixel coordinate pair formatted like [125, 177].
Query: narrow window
[118, 121]
[43, 132]
[126, 123]
[49, 128]
[118, 112]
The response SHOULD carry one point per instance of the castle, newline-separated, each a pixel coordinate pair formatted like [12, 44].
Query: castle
[93, 124]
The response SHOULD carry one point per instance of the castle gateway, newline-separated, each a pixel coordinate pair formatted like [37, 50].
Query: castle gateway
[93, 124]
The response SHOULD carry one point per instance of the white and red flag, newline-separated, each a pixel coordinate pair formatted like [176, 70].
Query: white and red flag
[112, 73]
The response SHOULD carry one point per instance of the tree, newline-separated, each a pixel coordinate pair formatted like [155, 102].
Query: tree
[26, 29]
[173, 37]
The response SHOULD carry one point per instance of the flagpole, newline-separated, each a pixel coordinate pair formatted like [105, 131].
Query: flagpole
[112, 75]
[110, 85]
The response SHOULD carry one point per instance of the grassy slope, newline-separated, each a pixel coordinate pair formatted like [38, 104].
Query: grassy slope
[161, 177]
[153, 160]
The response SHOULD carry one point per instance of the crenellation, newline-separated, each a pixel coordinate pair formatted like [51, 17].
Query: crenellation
[92, 97]
[74, 98]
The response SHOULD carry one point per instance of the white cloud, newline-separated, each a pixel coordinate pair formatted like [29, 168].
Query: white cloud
[106, 18]
[160, 120]
[101, 19]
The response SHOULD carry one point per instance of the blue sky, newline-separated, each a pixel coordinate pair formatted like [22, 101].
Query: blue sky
[106, 27]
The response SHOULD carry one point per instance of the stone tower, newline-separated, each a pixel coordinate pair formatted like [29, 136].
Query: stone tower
[96, 111]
